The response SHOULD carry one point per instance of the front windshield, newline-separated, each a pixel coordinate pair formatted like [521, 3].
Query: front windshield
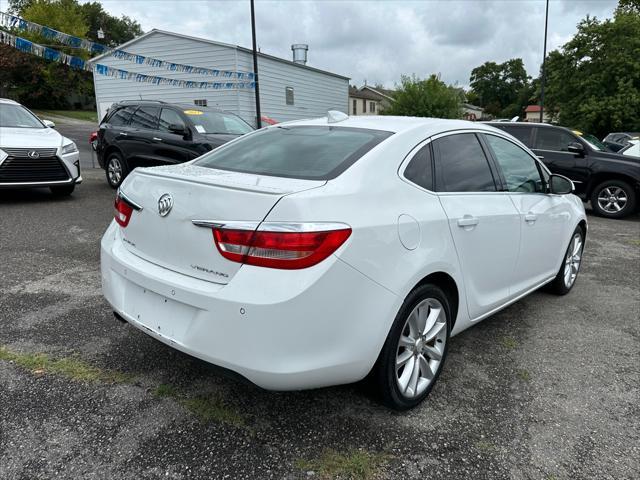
[16, 116]
[592, 140]
[206, 121]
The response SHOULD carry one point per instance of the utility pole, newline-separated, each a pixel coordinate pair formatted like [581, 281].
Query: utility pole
[255, 66]
[544, 58]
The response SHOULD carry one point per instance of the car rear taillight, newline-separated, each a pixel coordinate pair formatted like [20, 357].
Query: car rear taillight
[93, 137]
[273, 248]
[123, 211]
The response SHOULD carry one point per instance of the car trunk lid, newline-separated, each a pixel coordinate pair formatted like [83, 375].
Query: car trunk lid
[173, 241]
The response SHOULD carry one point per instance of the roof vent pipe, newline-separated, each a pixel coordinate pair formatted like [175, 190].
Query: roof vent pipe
[300, 53]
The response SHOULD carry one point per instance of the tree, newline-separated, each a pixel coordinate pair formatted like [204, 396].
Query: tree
[593, 81]
[426, 98]
[116, 30]
[62, 15]
[42, 84]
[502, 89]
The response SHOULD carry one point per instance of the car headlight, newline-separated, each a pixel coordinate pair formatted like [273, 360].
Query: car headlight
[69, 148]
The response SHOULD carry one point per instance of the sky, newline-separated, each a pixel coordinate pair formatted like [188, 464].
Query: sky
[377, 41]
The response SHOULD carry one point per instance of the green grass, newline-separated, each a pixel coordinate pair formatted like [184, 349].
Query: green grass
[485, 446]
[352, 464]
[69, 367]
[164, 390]
[212, 408]
[524, 375]
[509, 343]
[635, 242]
[208, 408]
[89, 116]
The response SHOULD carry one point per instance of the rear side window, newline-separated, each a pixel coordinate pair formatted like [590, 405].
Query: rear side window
[521, 133]
[305, 152]
[121, 117]
[553, 139]
[461, 165]
[419, 170]
[146, 118]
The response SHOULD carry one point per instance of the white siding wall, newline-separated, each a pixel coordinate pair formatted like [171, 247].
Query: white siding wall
[314, 92]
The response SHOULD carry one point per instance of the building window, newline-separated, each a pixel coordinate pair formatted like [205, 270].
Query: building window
[364, 106]
[200, 103]
[355, 108]
[372, 107]
[288, 91]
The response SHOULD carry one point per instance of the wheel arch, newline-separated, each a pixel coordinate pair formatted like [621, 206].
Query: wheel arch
[450, 288]
[108, 151]
[598, 178]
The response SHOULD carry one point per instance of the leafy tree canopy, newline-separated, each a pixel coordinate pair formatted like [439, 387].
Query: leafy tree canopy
[426, 98]
[42, 84]
[502, 89]
[593, 81]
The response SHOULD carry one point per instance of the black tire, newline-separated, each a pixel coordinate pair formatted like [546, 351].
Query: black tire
[384, 373]
[63, 191]
[559, 285]
[606, 209]
[116, 169]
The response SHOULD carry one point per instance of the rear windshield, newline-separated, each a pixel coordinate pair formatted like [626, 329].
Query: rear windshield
[306, 152]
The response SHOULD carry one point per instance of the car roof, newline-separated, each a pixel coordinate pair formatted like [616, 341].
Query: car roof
[8, 101]
[430, 126]
[161, 103]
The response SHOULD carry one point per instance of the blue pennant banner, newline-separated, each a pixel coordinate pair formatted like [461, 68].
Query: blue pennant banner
[47, 53]
[139, 77]
[11, 21]
[179, 67]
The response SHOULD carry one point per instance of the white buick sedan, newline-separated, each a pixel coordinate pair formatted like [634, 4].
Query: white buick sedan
[319, 252]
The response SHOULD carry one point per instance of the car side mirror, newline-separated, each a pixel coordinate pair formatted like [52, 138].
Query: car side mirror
[576, 148]
[49, 124]
[560, 185]
[177, 129]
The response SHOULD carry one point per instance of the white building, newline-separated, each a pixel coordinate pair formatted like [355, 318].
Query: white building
[288, 90]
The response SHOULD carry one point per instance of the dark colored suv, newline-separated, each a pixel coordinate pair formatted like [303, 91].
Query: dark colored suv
[609, 180]
[149, 133]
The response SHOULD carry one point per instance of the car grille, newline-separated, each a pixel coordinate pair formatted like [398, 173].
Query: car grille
[18, 167]
[24, 152]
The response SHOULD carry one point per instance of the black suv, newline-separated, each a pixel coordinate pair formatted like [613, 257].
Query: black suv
[609, 180]
[148, 133]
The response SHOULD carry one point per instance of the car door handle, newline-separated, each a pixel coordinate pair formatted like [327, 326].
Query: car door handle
[468, 221]
[530, 218]
[157, 139]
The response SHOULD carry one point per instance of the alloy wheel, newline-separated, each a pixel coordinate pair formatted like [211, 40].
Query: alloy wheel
[612, 199]
[114, 170]
[421, 347]
[572, 260]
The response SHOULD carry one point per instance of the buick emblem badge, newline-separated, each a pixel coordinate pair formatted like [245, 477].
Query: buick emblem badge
[165, 204]
[33, 154]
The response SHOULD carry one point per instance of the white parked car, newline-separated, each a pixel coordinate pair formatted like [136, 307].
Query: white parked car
[33, 154]
[632, 149]
[314, 253]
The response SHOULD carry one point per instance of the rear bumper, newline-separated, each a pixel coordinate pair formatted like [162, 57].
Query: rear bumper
[282, 330]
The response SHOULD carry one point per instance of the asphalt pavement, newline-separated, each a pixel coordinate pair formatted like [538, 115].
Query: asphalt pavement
[546, 389]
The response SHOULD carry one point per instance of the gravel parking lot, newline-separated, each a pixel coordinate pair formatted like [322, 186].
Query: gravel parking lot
[546, 389]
